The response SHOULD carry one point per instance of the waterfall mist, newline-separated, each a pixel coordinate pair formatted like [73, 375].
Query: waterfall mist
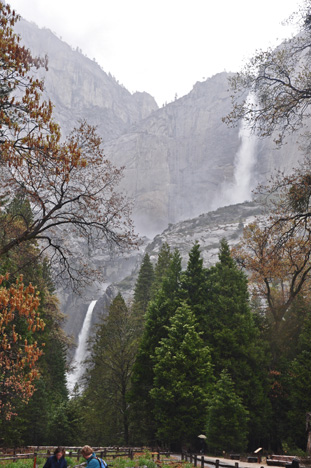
[81, 351]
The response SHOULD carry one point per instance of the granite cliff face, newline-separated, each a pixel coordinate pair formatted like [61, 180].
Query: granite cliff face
[180, 161]
[80, 89]
[177, 157]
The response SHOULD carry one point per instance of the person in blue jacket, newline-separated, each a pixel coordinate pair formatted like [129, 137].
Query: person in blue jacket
[90, 456]
[57, 460]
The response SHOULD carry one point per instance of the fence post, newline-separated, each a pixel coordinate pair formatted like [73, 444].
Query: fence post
[35, 460]
[217, 464]
[78, 455]
[158, 455]
[190, 457]
[195, 460]
[236, 465]
[202, 462]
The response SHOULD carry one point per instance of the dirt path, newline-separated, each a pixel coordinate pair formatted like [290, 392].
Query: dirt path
[229, 462]
[242, 464]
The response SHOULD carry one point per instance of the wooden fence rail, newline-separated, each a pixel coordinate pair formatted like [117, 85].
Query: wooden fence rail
[201, 461]
[101, 452]
[75, 452]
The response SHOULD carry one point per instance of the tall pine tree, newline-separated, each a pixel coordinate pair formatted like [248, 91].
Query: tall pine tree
[234, 340]
[109, 377]
[194, 285]
[227, 427]
[163, 262]
[159, 312]
[298, 389]
[182, 381]
[142, 292]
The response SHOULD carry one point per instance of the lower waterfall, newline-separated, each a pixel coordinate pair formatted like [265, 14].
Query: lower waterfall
[81, 351]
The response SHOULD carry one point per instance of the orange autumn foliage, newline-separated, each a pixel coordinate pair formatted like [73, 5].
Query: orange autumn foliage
[278, 271]
[18, 354]
[21, 111]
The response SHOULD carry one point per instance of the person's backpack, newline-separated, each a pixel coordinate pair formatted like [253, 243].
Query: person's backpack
[102, 463]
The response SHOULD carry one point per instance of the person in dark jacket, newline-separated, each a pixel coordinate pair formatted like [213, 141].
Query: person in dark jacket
[57, 460]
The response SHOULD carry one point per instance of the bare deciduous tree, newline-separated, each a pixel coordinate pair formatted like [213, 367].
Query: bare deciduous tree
[71, 187]
[280, 78]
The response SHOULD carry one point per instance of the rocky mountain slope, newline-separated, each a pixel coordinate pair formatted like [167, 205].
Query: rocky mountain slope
[207, 229]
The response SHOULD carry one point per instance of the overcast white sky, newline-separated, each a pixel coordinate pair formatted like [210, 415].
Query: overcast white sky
[164, 46]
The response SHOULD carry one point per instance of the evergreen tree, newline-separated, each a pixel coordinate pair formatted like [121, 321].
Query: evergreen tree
[163, 306]
[159, 312]
[226, 428]
[234, 340]
[142, 292]
[299, 390]
[163, 262]
[194, 285]
[36, 422]
[35, 417]
[228, 323]
[59, 425]
[109, 375]
[75, 413]
[32, 425]
[182, 381]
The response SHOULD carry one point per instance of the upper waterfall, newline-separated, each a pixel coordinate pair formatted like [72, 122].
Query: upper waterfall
[240, 189]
